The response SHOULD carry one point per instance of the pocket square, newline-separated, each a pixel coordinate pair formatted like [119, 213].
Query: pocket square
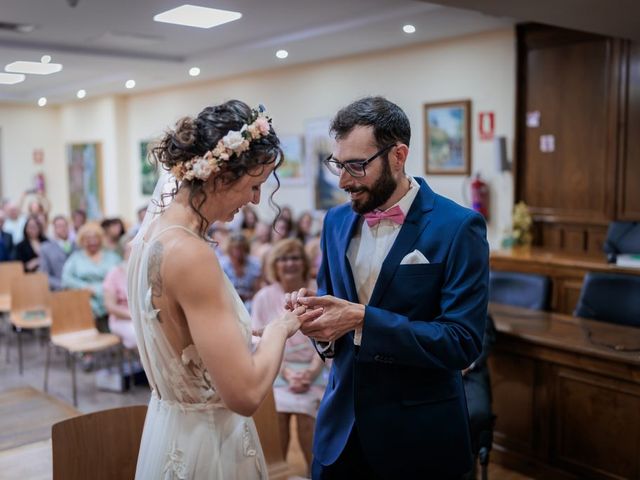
[414, 258]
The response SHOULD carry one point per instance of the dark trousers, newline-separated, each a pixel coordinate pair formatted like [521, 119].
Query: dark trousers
[350, 465]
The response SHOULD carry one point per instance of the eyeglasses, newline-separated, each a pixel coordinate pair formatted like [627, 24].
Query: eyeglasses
[355, 168]
[291, 258]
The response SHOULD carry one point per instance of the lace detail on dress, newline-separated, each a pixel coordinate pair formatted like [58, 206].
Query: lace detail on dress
[150, 313]
[190, 358]
[175, 468]
[247, 442]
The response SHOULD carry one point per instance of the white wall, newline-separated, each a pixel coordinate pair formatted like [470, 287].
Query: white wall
[478, 67]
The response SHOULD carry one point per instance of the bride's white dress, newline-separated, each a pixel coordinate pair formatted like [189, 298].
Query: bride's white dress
[188, 432]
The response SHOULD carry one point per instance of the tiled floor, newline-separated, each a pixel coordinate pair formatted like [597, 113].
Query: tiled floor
[91, 399]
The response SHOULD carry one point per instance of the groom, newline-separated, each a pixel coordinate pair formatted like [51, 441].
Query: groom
[403, 288]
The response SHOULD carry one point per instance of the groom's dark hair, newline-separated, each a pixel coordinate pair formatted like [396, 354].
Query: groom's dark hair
[390, 123]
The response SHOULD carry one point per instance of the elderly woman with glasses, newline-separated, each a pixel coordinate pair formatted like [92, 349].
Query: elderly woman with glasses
[300, 385]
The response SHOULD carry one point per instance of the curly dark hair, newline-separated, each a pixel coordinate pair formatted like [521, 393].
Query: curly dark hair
[193, 137]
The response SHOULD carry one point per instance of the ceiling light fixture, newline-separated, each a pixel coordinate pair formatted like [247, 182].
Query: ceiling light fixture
[282, 54]
[130, 83]
[35, 68]
[81, 93]
[194, 71]
[11, 78]
[195, 16]
[42, 101]
[45, 59]
[409, 29]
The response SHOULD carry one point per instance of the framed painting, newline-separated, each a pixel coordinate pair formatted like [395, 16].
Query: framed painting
[85, 178]
[447, 133]
[293, 169]
[149, 173]
[318, 146]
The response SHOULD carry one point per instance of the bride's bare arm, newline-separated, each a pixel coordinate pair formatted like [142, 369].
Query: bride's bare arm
[242, 379]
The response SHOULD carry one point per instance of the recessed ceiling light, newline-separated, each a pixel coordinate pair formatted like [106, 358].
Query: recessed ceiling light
[81, 93]
[45, 58]
[35, 68]
[11, 78]
[42, 101]
[282, 54]
[194, 16]
[194, 71]
[130, 83]
[409, 29]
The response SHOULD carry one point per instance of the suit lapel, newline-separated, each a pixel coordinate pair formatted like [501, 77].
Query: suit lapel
[415, 222]
[346, 233]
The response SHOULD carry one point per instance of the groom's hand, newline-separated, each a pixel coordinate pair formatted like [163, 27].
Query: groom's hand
[291, 299]
[337, 318]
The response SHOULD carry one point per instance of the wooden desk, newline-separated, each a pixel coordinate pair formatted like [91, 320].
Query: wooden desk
[567, 405]
[565, 271]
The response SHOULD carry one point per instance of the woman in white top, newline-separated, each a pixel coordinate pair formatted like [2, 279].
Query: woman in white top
[193, 330]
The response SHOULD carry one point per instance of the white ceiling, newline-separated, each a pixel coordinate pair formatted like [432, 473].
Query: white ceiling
[103, 43]
[615, 18]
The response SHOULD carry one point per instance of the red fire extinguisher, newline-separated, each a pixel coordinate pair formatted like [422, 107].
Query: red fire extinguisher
[480, 196]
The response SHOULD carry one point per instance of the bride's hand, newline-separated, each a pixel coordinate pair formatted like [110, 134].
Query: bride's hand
[292, 320]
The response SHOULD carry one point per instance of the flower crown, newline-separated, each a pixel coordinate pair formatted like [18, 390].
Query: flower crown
[233, 143]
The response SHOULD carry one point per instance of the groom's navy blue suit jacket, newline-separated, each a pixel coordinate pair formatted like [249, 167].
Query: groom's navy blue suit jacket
[424, 323]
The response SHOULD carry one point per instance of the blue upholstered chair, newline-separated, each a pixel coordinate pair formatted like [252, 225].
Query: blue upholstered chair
[519, 289]
[610, 297]
[622, 237]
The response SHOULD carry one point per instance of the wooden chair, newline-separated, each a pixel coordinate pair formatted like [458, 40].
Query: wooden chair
[8, 271]
[266, 419]
[73, 329]
[101, 445]
[29, 306]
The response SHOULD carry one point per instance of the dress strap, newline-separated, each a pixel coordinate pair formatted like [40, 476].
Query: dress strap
[170, 227]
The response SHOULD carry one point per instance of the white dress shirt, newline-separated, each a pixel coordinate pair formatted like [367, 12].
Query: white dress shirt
[370, 246]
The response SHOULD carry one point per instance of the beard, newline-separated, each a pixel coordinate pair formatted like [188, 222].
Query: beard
[377, 194]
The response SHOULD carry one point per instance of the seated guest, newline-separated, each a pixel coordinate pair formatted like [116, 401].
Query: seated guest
[249, 221]
[116, 301]
[87, 268]
[6, 240]
[300, 385]
[113, 232]
[14, 222]
[304, 226]
[28, 250]
[243, 270]
[78, 219]
[282, 229]
[54, 253]
[261, 242]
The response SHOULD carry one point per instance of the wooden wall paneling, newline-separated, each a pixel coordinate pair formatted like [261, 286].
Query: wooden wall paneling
[629, 158]
[512, 379]
[568, 293]
[575, 239]
[597, 426]
[596, 237]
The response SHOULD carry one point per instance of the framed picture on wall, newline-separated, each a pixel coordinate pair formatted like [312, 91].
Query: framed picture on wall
[318, 146]
[293, 170]
[149, 173]
[85, 178]
[447, 133]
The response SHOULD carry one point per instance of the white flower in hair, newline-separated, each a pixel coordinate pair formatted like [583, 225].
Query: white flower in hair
[233, 140]
[202, 169]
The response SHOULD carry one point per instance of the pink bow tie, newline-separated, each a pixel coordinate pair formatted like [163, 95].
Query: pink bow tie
[394, 214]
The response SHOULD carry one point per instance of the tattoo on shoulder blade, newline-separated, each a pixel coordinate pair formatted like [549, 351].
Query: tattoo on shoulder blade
[153, 271]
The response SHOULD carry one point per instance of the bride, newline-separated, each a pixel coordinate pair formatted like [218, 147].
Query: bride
[192, 328]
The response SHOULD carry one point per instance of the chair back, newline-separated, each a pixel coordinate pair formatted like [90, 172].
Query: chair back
[266, 419]
[71, 311]
[102, 445]
[30, 292]
[524, 290]
[610, 297]
[622, 237]
[9, 271]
